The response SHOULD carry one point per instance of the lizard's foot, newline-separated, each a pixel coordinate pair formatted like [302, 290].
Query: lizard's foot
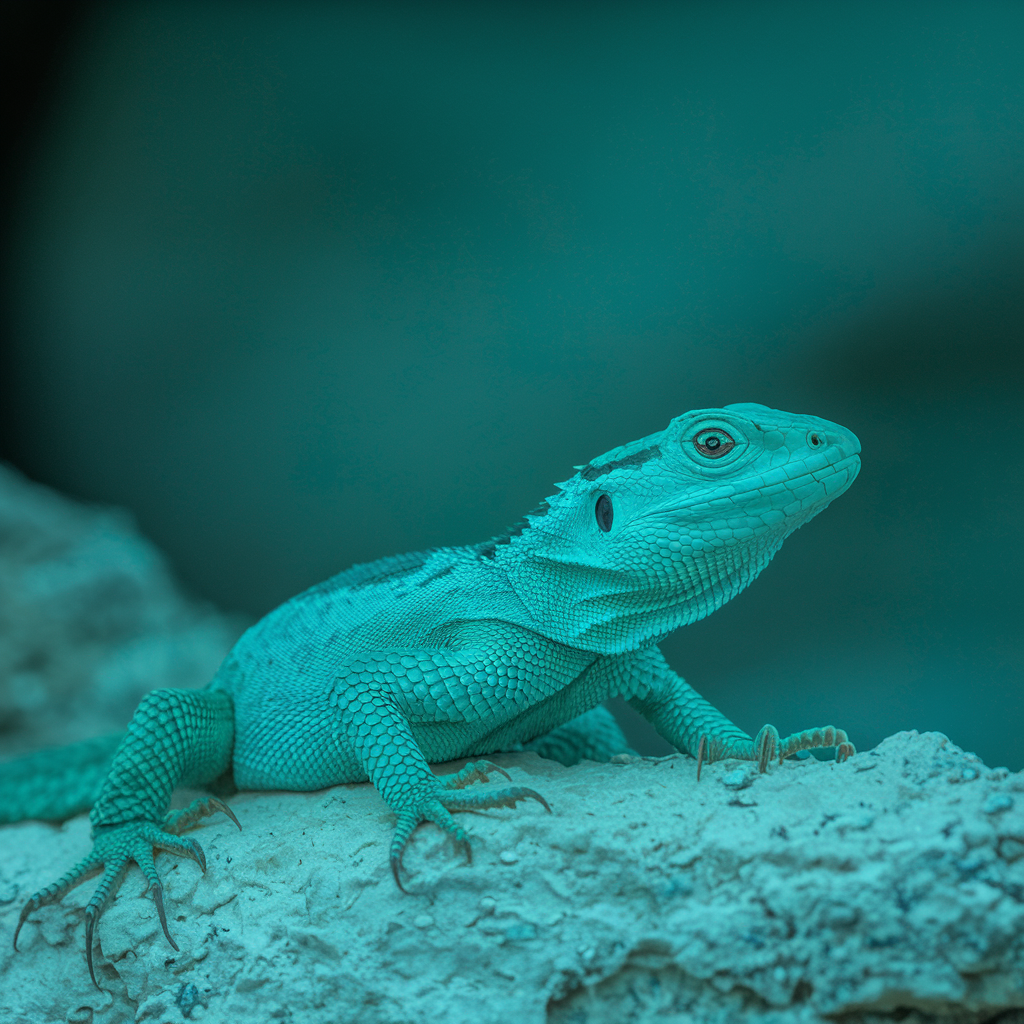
[767, 746]
[114, 848]
[437, 811]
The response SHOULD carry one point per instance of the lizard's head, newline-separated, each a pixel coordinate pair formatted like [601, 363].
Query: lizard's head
[663, 531]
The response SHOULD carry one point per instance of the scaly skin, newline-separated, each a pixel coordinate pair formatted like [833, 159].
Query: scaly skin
[511, 644]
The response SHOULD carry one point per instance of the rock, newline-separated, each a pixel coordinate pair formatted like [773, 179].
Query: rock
[889, 887]
[90, 620]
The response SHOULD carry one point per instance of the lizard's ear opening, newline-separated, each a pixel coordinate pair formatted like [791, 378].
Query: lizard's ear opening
[604, 513]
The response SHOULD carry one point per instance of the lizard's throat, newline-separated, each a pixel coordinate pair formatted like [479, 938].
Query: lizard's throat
[609, 611]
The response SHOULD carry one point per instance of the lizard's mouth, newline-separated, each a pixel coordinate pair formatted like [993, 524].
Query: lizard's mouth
[800, 494]
[838, 475]
[777, 490]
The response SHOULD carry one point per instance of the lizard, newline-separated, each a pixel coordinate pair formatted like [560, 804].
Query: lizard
[457, 652]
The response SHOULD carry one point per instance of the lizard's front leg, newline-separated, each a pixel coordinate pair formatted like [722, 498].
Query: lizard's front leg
[176, 737]
[377, 695]
[690, 723]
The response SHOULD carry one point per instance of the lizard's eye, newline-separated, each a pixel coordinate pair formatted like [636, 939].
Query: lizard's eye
[815, 440]
[713, 443]
[604, 513]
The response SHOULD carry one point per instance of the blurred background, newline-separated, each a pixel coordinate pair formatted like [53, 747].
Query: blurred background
[303, 284]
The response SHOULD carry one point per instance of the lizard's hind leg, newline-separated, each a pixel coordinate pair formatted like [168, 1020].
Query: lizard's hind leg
[176, 737]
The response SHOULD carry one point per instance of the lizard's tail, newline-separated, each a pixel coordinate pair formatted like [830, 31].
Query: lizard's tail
[55, 784]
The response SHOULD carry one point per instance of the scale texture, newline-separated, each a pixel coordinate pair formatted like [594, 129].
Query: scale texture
[455, 653]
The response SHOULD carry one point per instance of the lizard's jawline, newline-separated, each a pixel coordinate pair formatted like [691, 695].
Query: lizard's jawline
[721, 494]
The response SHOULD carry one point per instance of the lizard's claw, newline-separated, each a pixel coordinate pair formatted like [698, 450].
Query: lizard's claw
[766, 747]
[114, 849]
[437, 811]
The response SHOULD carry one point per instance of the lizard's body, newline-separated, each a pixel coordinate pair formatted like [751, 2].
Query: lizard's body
[287, 666]
[424, 658]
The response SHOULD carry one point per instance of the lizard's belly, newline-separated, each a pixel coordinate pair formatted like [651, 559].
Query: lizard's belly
[292, 752]
[303, 756]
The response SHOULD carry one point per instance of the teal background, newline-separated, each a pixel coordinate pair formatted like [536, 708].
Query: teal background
[304, 284]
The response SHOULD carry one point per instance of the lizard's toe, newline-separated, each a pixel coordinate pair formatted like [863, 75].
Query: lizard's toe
[113, 875]
[81, 872]
[508, 797]
[202, 807]
[437, 810]
[428, 810]
[114, 849]
[475, 771]
[766, 747]
[814, 739]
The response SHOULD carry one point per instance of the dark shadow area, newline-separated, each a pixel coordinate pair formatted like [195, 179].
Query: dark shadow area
[37, 41]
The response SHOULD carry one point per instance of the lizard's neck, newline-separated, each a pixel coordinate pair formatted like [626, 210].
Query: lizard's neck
[611, 612]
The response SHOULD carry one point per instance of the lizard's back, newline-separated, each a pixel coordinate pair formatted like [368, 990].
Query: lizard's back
[403, 601]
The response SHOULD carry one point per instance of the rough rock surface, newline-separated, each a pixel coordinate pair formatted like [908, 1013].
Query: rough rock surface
[90, 620]
[890, 887]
